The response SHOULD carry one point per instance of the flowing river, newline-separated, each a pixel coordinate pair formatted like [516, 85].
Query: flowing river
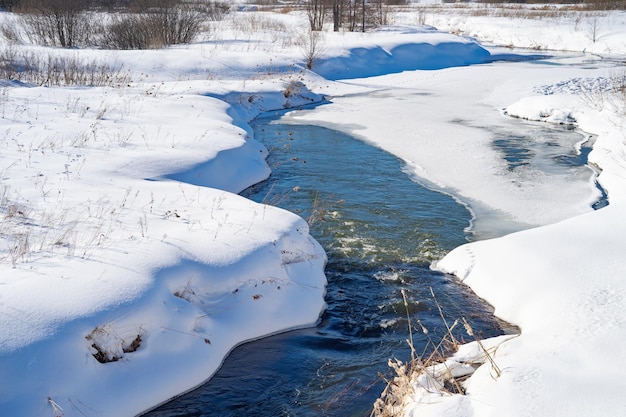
[381, 230]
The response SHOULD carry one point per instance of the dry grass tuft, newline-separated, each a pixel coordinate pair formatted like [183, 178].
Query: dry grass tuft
[432, 371]
[109, 346]
[49, 70]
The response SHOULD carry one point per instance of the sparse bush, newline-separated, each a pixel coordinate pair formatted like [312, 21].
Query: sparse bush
[56, 22]
[49, 70]
[136, 24]
[11, 30]
[379, 13]
[134, 31]
[607, 93]
[168, 23]
[258, 22]
[311, 45]
[617, 94]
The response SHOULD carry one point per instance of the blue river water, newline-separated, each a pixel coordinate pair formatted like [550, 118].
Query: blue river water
[381, 230]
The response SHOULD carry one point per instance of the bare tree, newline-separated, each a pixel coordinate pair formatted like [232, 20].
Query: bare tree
[353, 14]
[593, 26]
[311, 45]
[316, 12]
[379, 12]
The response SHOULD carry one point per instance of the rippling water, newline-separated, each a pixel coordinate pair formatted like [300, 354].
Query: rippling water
[381, 230]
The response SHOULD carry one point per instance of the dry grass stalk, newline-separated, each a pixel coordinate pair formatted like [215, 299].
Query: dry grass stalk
[432, 372]
[56, 408]
[107, 346]
[488, 355]
[48, 70]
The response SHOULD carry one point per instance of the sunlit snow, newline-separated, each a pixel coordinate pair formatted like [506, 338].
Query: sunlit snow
[122, 238]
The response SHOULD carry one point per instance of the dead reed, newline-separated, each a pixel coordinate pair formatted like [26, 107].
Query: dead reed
[431, 371]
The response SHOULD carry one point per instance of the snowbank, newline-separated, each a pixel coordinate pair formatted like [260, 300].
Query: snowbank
[127, 274]
[563, 285]
[381, 53]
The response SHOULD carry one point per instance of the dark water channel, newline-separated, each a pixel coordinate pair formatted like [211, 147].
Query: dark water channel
[381, 230]
[551, 149]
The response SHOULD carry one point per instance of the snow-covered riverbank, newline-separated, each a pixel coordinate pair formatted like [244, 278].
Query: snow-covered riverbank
[114, 247]
[129, 267]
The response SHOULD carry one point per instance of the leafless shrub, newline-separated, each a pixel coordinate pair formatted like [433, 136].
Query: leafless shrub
[19, 248]
[257, 22]
[17, 238]
[311, 46]
[421, 16]
[11, 29]
[379, 13]
[168, 23]
[56, 22]
[615, 97]
[609, 94]
[604, 5]
[132, 32]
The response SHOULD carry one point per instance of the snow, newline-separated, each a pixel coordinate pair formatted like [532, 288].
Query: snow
[539, 27]
[122, 236]
[378, 53]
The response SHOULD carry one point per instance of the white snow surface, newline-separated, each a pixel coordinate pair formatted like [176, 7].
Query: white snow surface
[538, 27]
[121, 234]
[119, 225]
